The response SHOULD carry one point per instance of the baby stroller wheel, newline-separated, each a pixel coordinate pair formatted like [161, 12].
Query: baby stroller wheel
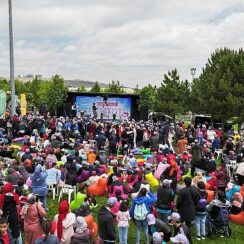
[227, 231]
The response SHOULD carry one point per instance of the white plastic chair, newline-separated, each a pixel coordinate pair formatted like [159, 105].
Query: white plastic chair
[52, 188]
[67, 189]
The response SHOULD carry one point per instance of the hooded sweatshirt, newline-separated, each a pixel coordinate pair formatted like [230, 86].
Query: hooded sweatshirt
[38, 179]
[147, 200]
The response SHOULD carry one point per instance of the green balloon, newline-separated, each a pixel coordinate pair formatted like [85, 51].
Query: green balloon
[74, 205]
[80, 197]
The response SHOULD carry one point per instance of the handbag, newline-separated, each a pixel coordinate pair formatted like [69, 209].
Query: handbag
[41, 219]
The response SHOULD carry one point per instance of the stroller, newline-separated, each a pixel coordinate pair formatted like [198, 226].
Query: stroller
[217, 221]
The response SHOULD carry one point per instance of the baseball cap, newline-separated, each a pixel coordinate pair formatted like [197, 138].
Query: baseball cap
[174, 216]
[151, 219]
[157, 238]
[180, 238]
[167, 182]
[111, 201]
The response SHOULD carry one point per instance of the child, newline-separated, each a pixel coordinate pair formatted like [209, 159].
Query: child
[123, 217]
[47, 238]
[5, 235]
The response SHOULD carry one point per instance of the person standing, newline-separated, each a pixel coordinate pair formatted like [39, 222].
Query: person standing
[182, 145]
[139, 210]
[74, 110]
[9, 200]
[105, 218]
[123, 217]
[30, 213]
[201, 213]
[39, 185]
[186, 203]
[165, 195]
[65, 223]
[94, 110]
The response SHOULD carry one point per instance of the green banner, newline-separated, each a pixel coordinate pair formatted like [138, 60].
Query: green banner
[3, 100]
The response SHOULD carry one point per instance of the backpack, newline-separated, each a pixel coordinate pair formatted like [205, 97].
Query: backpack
[223, 216]
[202, 203]
[140, 212]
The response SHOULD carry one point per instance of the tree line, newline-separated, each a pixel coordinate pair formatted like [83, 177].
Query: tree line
[218, 91]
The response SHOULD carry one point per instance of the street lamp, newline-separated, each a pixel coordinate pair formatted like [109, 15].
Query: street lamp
[193, 73]
[11, 57]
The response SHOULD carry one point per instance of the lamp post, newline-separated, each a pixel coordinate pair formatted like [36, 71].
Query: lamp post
[193, 73]
[11, 57]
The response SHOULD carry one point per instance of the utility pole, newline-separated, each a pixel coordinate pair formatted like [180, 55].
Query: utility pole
[11, 57]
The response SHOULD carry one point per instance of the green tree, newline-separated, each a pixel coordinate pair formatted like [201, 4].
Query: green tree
[20, 87]
[4, 85]
[219, 91]
[115, 87]
[82, 88]
[147, 97]
[57, 93]
[96, 88]
[172, 96]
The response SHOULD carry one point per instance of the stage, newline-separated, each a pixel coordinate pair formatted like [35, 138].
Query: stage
[109, 107]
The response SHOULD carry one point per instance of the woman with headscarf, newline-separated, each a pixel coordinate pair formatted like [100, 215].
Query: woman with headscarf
[31, 213]
[8, 203]
[170, 173]
[82, 233]
[39, 185]
[65, 221]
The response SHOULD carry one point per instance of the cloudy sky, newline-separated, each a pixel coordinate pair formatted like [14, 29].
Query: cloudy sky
[134, 41]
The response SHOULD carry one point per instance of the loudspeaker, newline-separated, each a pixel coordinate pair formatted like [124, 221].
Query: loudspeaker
[114, 116]
[144, 113]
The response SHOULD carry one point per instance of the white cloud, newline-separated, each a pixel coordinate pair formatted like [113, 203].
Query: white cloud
[135, 41]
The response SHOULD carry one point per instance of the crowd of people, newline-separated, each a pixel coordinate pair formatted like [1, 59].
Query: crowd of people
[163, 177]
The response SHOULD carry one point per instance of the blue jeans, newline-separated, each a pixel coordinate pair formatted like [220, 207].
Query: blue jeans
[200, 222]
[123, 234]
[43, 199]
[141, 224]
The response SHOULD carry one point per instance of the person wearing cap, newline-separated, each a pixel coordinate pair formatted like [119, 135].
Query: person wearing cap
[165, 197]
[179, 226]
[179, 239]
[156, 225]
[105, 218]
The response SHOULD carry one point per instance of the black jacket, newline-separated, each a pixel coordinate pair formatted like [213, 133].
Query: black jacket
[186, 202]
[106, 228]
[165, 197]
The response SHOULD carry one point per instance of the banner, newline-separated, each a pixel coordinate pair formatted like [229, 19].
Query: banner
[115, 108]
[23, 104]
[3, 100]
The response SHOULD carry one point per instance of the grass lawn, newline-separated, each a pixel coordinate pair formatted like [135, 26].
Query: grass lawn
[236, 238]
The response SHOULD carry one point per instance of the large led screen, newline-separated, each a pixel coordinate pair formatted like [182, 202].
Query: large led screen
[114, 108]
